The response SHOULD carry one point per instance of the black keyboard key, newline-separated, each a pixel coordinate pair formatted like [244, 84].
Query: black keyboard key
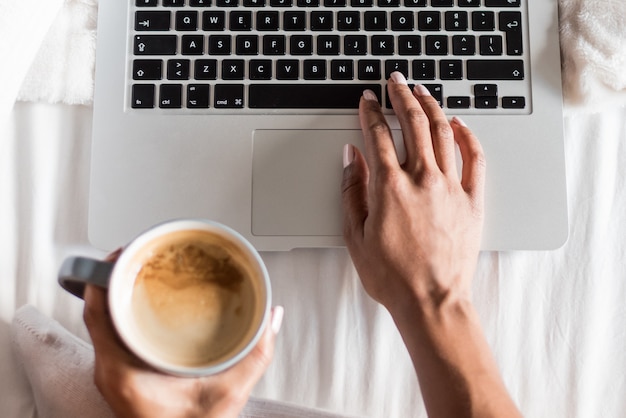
[322, 21]
[170, 96]
[513, 102]
[314, 69]
[451, 69]
[486, 90]
[155, 45]
[247, 45]
[199, 3]
[382, 45]
[274, 45]
[369, 70]
[436, 45]
[253, 3]
[510, 21]
[198, 96]
[267, 20]
[213, 20]
[436, 90]
[308, 3]
[456, 21]
[328, 45]
[396, 65]
[280, 3]
[287, 69]
[458, 102]
[469, 3]
[486, 102]
[178, 69]
[514, 43]
[173, 3]
[228, 96]
[409, 45]
[429, 21]
[233, 69]
[187, 20]
[335, 3]
[192, 44]
[502, 3]
[147, 69]
[490, 45]
[301, 45]
[308, 96]
[361, 3]
[424, 69]
[442, 3]
[348, 21]
[146, 3]
[463, 45]
[152, 20]
[402, 21]
[388, 3]
[355, 45]
[375, 21]
[342, 69]
[483, 21]
[227, 3]
[294, 21]
[260, 69]
[415, 3]
[142, 96]
[240, 20]
[205, 69]
[495, 70]
[219, 45]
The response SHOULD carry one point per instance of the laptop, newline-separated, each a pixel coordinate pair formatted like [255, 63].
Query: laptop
[238, 110]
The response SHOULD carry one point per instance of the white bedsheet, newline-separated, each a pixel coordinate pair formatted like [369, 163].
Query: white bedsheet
[556, 320]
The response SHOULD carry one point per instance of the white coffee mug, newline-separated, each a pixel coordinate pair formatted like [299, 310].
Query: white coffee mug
[190, 297]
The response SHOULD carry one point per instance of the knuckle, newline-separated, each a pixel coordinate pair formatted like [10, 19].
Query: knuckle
[378, 127]
[416, 115]
[441, 128]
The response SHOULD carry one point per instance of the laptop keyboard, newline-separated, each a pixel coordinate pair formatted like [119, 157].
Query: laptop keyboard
[317, 56]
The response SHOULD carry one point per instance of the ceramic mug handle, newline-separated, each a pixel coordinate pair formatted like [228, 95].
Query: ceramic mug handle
[76, 272]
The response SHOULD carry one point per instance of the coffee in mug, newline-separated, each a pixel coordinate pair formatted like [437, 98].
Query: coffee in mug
[190, 297]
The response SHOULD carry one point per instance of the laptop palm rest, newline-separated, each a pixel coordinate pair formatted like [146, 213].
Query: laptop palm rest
[296, 181]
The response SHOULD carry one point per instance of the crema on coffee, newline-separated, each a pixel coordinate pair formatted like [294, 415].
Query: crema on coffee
[195, 300]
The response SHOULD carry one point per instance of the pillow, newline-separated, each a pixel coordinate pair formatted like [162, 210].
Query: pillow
[59, 367]
[593, 53]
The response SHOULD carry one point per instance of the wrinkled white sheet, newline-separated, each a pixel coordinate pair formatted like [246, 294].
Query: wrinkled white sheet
[556, 320]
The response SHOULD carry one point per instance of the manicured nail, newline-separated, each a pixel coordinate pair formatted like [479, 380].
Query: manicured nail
[421, 90]
[348, 155]
[277, 318]
[370, 95]
[459, 121]
[398, 77]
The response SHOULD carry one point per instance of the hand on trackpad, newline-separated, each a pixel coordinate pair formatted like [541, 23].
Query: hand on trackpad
[296, 181]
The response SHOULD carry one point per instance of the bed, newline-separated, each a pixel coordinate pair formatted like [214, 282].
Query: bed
[556, 320]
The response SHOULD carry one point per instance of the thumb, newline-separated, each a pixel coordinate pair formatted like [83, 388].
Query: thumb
[354, 193]
[249, 370]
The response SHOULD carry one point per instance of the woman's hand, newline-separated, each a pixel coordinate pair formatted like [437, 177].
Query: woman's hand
[134, 389]
[413, 229]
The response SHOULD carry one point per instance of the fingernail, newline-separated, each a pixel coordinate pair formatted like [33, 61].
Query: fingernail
[370, 95]
[277, 318]
[421, 90]
[398, 77]
[458, 120]
[348, 155]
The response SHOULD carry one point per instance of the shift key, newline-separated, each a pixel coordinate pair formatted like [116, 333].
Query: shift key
[495, 70]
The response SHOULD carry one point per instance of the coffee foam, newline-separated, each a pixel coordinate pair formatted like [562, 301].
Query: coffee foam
[194, 298]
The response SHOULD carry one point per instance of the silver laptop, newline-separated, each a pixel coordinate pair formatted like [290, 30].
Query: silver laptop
[238, 110]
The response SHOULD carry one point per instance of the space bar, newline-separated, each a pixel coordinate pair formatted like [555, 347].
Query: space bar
[308, 96]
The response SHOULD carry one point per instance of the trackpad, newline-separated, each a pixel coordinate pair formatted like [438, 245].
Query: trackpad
[296, 181]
